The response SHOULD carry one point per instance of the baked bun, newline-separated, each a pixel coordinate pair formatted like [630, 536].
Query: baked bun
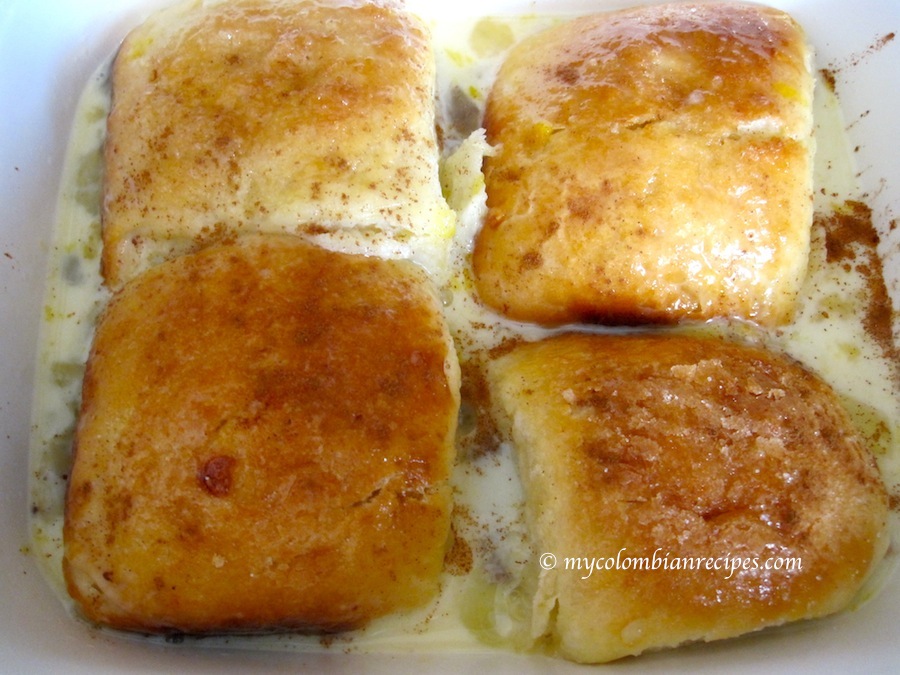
[690, 466]
[651, 165]
[310, 117]
[265, 442]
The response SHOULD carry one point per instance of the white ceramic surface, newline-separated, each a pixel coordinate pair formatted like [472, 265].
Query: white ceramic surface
[48, 48]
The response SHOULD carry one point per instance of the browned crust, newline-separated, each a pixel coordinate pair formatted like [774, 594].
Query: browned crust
[685, 447]
[265, 442]
[651, 165]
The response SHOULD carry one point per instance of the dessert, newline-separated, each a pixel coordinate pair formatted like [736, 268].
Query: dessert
[651, 165]
[690, 488]
[265, 442]
[262, 116]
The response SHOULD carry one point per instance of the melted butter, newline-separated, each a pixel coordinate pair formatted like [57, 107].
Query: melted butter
[484, 603]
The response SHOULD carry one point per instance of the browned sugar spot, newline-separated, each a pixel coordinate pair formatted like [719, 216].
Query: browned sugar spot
[216, 475]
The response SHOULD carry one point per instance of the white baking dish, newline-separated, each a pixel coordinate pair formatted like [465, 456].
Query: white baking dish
[49, 48]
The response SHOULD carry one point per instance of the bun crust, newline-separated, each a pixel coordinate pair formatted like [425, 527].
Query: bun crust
[265, 442]
[684, 448]
[651, 165]
[263, 116]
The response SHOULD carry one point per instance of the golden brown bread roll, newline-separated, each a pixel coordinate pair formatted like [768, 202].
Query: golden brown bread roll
[265, 442]
[297, 116]
[651, 165]
[676, 448]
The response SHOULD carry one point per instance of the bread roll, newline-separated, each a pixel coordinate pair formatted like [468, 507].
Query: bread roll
[289, 116]
[720, 462]
[651, 165]
[265, 442]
